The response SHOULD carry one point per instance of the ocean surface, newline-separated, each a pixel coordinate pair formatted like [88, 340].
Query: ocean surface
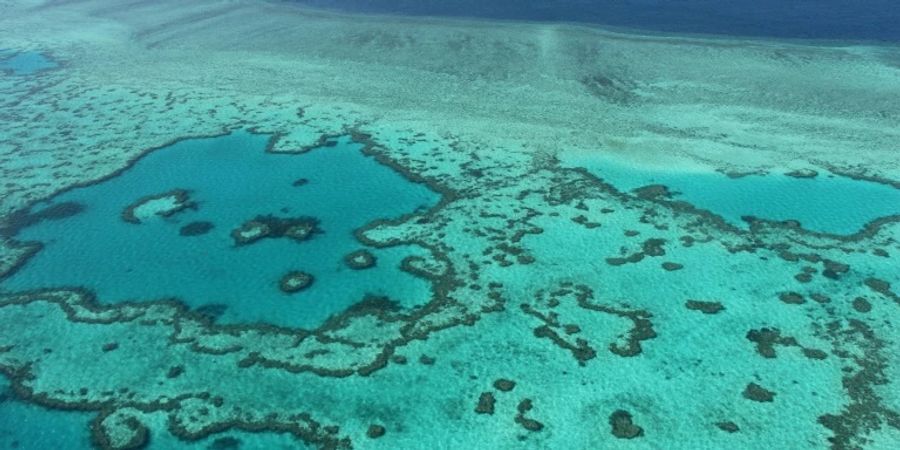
[357, 224]
[874, 20]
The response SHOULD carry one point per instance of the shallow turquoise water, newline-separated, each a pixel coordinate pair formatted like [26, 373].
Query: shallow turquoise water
[29, 426]
[26, 425]
[827, 203]
[25, 63]
[690, 375]
[233, 180]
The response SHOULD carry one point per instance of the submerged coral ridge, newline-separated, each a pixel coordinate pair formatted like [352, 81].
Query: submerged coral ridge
[519, 299]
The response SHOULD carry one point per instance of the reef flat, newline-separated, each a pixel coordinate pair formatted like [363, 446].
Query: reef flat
[556, 306]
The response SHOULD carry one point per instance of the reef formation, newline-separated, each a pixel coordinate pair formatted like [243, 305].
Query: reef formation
[562, 310]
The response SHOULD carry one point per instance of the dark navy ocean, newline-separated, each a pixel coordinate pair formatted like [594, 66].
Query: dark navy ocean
[876, 20]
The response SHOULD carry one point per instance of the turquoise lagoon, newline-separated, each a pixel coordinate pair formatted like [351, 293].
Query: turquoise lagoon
[232, 179]
[27, 425]
[824, 203]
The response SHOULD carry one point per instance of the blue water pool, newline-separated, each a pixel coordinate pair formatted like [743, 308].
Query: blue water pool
[29, 426]
[825, 203]
[25, 63]
[231, 180]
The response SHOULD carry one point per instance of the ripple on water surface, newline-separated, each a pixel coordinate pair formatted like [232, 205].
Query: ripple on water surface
[169, 226]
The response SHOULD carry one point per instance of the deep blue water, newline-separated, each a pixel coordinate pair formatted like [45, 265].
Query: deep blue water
[232, 180]
[877, 20]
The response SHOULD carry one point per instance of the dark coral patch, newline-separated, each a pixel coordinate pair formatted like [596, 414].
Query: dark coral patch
[486, 403]
[882, 287]
[261, 227]
[861, 305]
[375, 431]
[766, 339]
[629, 343]
[866, 411]
[642, 330]
[108, 347]
[653, 192]
[527, 423]
[878, 285]
[504, 385]
[138, 435]
[212, 311]
[633, 258]
[583, 220]
[654, 247]
[360, 259]
[803, 173]
[804, 277]
[758, 393]
[581, 349]
[295, 281]
[791, 298]
[196, 228]
[651, 247]
[728, 426]
[834, 269]
[671, 266]
[180, 202]
[704, 307]
[175, 372]
[813, 353]
[225, 443]
[24, 218]
[623, 426]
